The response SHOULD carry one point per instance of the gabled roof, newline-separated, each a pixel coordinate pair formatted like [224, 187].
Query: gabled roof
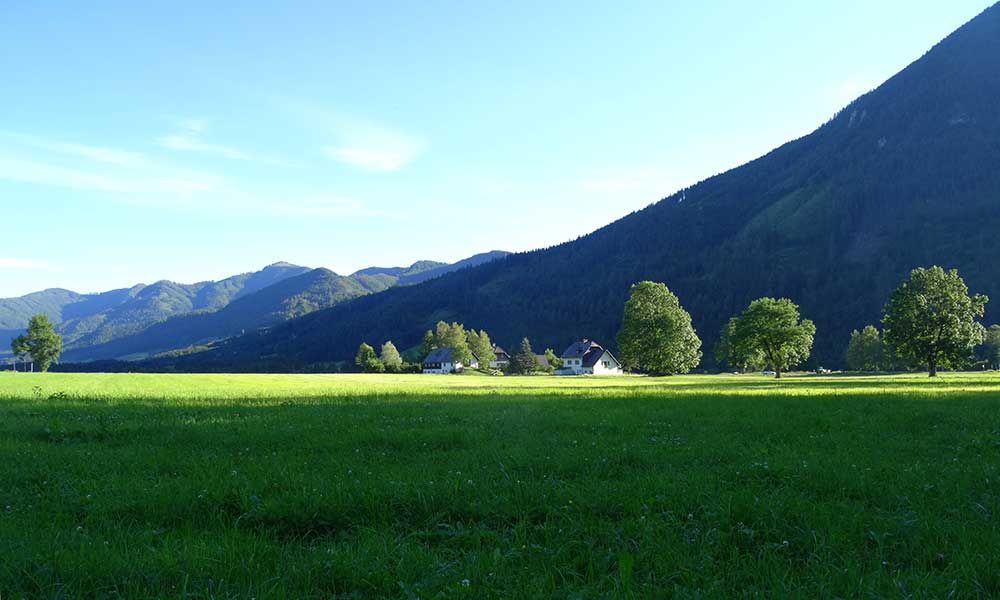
[589, 351]
[500, 352]
[439, 355]
[590, 359]
[443, 355]
[579, 349]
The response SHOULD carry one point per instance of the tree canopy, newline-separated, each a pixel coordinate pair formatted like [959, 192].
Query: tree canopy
[19, 346]
[555, 362]
[453, 336]
[736, 352]
[367, 360]
[481, 345]
[428, 344]
[41, 342]
[656, 335]
[932, 319]
[992, 346]
[524, 361]
[770, 330]
[390, 357]
[866, 352]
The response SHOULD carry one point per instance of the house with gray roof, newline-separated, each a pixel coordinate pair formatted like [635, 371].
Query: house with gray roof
[587, 357]
[440, 362]
[502, 358]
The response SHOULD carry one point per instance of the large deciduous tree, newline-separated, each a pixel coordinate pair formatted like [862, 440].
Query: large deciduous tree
[367, 360]
[390, 358]
[931, 318]
[481, 345]
[770, 330]
[656, 335]
[41, 342]
[453, 336]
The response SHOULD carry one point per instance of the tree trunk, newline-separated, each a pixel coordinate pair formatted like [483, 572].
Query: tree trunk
[932, 366]
[777, 373]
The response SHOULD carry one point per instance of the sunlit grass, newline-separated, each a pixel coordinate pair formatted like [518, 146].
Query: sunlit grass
[314, 486]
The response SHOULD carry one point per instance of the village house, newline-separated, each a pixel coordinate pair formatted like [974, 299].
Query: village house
[502, 358]
[588, 358]
[440, 362]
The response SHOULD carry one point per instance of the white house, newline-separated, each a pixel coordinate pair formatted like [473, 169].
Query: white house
[440, 362]
[588, 358]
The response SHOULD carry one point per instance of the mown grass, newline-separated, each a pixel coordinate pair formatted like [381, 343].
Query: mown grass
[453, 487]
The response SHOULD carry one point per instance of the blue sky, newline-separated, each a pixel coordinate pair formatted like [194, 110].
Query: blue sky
[193, 140]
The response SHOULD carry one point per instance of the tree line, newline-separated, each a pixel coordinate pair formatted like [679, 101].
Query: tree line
[930, 319]
[465, 343]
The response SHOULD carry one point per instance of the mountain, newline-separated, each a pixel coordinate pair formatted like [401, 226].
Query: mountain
[290, 298]
[905, 176]
[88, 319]
[287, 299]
[378, 278]
[143, 321]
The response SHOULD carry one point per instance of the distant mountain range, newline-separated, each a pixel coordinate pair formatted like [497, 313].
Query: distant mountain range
[146, 320]
[905, 176]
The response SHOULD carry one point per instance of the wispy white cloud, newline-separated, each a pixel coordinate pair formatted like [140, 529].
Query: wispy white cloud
[183, 142]
[157, 182]
[125, 177]
[95, 153]
[188, 137]
[358, 141]
[381, 159]
[22, 263]
[177, 189]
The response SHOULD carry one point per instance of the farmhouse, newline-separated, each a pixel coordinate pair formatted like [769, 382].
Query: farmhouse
[588, 358]
[440, 362]
[502, 360]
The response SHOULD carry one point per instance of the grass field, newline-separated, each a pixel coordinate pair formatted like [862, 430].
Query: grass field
[311, 486]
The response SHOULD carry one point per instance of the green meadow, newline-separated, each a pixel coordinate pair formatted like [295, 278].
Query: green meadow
[317, 486]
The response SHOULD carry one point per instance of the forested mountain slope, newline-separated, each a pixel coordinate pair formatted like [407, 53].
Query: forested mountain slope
[88, 319]
[167, 316]
[377, 279]
[292, 297]
[905, 176]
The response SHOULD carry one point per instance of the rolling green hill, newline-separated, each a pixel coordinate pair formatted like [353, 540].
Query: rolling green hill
[88, 319]
[289, 298]
[145, 320]
[904, 176]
